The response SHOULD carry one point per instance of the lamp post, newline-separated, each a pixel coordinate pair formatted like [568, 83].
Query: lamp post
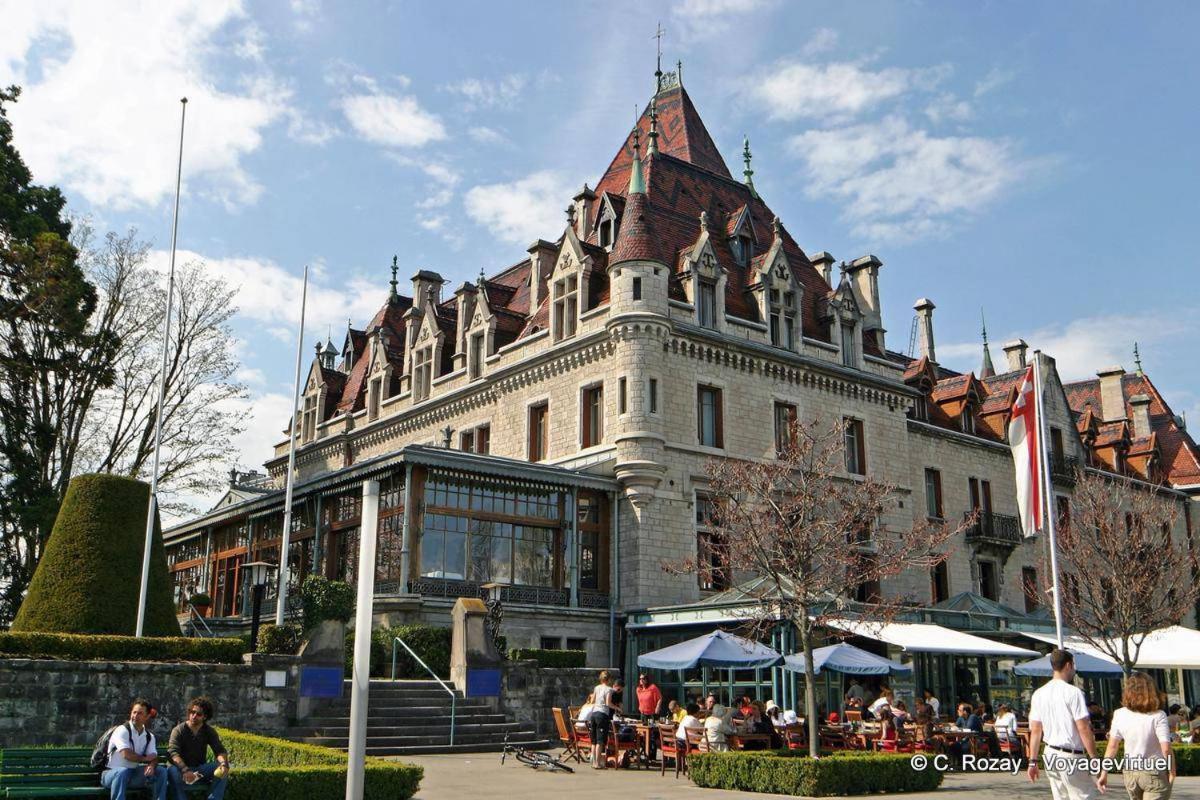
[258, 572]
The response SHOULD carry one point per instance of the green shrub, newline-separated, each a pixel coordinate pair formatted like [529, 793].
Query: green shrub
[550, 658]
[792, 772]
[200, 599]
[89, 577]
[281, 640]
[322, 599]
[429, 642]
[74, 647]
[1187, 758]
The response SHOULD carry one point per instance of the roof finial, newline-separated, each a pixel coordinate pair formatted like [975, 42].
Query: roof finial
[652, 147]
[481, 277]
[1137, 359]
[637, 183]
[393, 295]
[703, 220]
[777, 227]
[986, 370]
[679, 71]
[749, 173]
[658, 73]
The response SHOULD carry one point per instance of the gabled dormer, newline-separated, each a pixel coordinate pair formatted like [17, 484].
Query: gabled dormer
[778, 293]
[704, 279]
[380, 370]
[608, 220]
[741, 237]
[846, 323]
[960, 398]
[569, 286]
[317, 394]
[921, 375]
[477, 322]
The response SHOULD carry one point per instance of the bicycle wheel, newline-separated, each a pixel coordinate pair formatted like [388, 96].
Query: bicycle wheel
[537, 760]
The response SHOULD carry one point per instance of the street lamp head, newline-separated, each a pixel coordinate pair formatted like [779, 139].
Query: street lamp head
[258, 572]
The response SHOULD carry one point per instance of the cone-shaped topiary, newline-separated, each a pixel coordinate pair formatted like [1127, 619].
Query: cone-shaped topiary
[90, 573]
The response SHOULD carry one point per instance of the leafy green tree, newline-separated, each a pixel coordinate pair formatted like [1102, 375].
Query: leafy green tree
[52, 362]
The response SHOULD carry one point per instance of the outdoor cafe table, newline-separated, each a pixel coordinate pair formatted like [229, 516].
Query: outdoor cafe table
[738, 741]
[645, 732]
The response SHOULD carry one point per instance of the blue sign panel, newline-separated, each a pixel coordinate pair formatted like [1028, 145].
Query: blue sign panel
[483, 683]
[320, 681]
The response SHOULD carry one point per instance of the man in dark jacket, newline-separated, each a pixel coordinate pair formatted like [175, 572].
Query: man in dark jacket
[188, 750]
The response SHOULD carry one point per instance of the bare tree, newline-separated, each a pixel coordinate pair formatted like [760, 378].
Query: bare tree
[200, 416]
[1122, 575]
[815, 538]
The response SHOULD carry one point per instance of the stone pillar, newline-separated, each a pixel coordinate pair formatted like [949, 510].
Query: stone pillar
[474, 660]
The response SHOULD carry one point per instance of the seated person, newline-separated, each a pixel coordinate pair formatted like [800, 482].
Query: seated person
[923, 722]
[900, 713]
[745, 708]
[586, 709]
[887, 725]
[188, 750]
[717, 728]
[968, 720]
[690, 720]
[676, 712]
[1006, 724]
[790, 718]
[133, 757]
[886, 698]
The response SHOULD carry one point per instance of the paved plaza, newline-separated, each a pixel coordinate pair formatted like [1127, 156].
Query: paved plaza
[480, 775]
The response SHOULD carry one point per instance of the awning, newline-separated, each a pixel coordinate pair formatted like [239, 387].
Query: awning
[1175, 647]
[923, 638]
[1086, 664]
[716, 649]
[848, 659]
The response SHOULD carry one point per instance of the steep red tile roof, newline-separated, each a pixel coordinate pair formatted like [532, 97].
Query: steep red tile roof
[1180, 456]
[635, 237]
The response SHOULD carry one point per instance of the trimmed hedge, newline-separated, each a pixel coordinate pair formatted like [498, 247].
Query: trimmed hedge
[76, 647]
[550, 658]
[791, 772]
[322, 599]
[281, 640]
[89, 577]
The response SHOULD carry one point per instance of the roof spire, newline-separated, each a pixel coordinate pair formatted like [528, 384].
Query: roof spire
[481, 277]
[679, 70]
[392, 295]
[987, 370]
[658, 73]
[637, 183]
[652, 147]
[749, 173]
[1137, 359]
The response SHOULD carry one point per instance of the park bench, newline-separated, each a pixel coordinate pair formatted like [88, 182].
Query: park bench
[56, 772]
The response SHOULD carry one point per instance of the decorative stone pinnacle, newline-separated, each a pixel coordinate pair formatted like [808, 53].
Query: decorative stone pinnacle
[481, 277]
[984, 324]
[703, 220]
[395, 267]
[652, 147]
[1137, 359]
[749, 173]
[777, 227]
[679, 70]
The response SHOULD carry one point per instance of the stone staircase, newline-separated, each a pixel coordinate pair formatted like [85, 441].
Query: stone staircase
[412, 717]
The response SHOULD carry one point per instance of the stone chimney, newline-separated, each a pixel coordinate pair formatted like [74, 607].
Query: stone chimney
[542, 255]
[1112, 396]
[824, 265]
[427, 287]
[584, 201]
[1141, 415]
[924, 308]
[1015, 352]
[864, 271]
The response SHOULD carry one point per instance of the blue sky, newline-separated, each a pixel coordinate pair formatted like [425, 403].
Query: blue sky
[1037, 160]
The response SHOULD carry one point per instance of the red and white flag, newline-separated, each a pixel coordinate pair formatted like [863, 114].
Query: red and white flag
[1023, 428]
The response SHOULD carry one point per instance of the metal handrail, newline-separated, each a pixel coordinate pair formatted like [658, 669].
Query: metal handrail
[197, 616]
[453, 697]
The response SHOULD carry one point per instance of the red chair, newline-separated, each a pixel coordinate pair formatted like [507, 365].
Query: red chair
[670, 747]
[566, 735]
[619, 751]
[795, 737]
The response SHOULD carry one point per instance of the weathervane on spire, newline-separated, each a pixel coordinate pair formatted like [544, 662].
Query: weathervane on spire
[658, 73]
[749, 173]
[395, 267]
[1137, 359]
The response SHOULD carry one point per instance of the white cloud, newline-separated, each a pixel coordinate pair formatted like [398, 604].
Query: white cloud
[266, 415]
[306, 129]
[836, 91]
[823, 40]
[486, 135]
[485, 93]
[717, 8]
[394, 121]
[522, 210]
[704, 19]
[993, 80]
[948, 108]
[100, 111]
[900, 183]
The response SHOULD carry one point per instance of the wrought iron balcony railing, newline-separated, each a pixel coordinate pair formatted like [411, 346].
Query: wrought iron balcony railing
[1063, 469]
[991, 528]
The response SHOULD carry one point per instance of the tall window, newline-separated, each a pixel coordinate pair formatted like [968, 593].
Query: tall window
[592, 518]
[710, 431]
[475, 368]
[939, 583]
[538, 417]
[743, 249]
[920, 409]
[706, 304]
[711, 556]
[592, 416]
[989, 581]
[933, 494]
[654, 395]
[422, 373]
[981, 495]
[606, 232]
[373, 394]
[848, 354]
[566, 307]
[1029, 585]
[966, 419]
[785, 422]
[856, 452]
[622, 400]
[783, 318]
[308, 422]
[637, 288]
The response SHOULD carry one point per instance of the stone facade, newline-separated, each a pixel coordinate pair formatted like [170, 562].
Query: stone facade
[530, 693]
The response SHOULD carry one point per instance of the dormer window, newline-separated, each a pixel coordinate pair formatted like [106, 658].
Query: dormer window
[476, 355]
[374, 395]
[743, 249]
[422, 373]
[849, 357]
[607, 232]
[920, 409]
[706, 304]
[566, 307]
[308, 420]
[783, 318]
[966, 419]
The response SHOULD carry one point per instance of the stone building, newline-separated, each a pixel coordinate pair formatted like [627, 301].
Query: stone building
[547, 427]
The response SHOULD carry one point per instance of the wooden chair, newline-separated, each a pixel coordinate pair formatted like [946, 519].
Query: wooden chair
[566, 735]
[853, 716]
[618, 750]
[832, 739]
[670, 747]
[795, 737]
[574, 711]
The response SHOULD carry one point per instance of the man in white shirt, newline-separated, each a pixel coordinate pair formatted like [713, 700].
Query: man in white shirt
[935, 705]
[133, 757]
[1058, 714]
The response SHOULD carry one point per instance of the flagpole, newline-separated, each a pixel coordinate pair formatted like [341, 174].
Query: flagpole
[1048, 509]
[152, 504]
[281, 595]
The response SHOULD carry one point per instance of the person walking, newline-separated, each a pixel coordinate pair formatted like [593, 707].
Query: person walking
[1058, 714]
[1141, 724]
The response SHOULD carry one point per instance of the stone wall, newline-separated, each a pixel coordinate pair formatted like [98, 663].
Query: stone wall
[529, 692]
[73, 702]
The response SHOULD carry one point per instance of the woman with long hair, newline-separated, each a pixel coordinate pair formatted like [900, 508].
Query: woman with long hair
[1141, 724]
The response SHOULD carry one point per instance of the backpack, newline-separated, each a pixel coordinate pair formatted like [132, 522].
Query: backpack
[99, 759]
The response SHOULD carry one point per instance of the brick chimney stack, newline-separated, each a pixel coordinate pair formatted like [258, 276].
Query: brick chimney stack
[1015, 352]
[1112, 396]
